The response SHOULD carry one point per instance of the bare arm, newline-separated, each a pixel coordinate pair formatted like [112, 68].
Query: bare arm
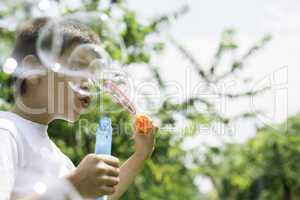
[144, 146]
[128, 171]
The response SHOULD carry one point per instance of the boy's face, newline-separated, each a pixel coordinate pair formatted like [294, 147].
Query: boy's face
[71, 102]
[54, 93]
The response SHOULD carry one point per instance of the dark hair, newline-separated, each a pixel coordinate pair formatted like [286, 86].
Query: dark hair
[72, 32]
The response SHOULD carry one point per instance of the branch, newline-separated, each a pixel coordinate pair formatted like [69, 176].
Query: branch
[227, 43]
[240, 63]
[244, 94]
[190, 58]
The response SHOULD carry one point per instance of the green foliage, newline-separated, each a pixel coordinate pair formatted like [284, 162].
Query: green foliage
[265, 167]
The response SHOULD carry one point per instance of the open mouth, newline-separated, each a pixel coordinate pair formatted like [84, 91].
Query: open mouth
[85, 101]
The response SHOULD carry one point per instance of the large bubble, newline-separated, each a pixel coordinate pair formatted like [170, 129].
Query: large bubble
[54, 36]
[100, 66]
[96, 65]
[90, 61]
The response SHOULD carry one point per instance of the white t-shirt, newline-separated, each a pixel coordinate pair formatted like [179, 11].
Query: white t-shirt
[29, 160]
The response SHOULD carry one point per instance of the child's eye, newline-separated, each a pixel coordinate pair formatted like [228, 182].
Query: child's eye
[84, 86]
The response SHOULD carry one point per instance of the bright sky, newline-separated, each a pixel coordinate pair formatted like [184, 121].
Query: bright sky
[277, 64]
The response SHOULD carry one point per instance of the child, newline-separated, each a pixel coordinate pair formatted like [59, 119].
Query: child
[27, 155]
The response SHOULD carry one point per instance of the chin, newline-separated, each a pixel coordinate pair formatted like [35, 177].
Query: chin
[73, 118]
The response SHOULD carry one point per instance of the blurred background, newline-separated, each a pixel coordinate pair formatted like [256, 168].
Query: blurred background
[220, 77]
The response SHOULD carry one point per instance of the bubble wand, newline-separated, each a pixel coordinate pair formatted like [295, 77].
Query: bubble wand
[143, 123]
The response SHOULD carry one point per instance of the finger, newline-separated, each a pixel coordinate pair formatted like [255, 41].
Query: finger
[155, 129]
[110, 160]
[107, 190]
[108, 180]
[113, 171]
[108, 170]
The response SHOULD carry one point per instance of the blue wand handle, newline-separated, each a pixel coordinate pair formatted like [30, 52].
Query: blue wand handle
[104, 140]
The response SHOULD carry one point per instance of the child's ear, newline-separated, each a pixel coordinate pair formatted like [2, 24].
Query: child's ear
[30, 63]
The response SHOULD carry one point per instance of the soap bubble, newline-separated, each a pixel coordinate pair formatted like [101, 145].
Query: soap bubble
[50, 45]
[44, 5]
[95, 67]
[12, 67]
[45, 185]
[87, 60]
[120, 97]
[91, 62]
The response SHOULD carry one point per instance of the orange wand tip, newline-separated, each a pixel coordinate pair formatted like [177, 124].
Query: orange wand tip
[143, 124]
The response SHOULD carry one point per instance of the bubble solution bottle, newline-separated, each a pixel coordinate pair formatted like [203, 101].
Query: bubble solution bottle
[104, 140]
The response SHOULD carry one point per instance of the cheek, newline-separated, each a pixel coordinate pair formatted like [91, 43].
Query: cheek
[63, 95]
[44, 92]
[69, 96]
[71, 100]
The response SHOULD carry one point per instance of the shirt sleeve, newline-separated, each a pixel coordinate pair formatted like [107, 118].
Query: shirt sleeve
[8, 163]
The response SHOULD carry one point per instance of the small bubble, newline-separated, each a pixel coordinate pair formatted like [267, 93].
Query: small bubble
[10, 65]
[56, 67]
[44, 5]
[40, 188]
[104, 17]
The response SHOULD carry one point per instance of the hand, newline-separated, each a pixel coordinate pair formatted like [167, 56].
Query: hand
[96, 176]
[145, 143]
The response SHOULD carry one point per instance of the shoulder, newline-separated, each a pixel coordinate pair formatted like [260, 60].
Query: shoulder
[10, 132]
[7, 121]
[8, 126]
[9, 148]
[10, 122]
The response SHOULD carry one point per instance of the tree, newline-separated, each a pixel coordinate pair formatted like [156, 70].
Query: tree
[159, 179]
[265, 167]
[165, 176]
